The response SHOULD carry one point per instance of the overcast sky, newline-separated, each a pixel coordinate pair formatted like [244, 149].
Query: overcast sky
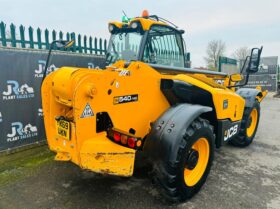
[239, 23]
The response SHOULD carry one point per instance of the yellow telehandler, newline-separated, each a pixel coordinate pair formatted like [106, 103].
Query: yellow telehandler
[147, 101]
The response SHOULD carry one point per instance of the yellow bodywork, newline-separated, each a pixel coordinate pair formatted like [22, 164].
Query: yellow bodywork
[67, 91]
[146, 23]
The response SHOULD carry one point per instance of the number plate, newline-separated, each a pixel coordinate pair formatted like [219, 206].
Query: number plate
[63, 129]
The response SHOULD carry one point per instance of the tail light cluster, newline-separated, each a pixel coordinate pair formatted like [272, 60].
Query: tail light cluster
[125, 139]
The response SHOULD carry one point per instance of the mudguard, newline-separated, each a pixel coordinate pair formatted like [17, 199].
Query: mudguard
[166, 135]
[250, 95]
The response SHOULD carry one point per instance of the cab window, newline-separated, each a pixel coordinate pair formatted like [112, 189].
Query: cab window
[164, 47]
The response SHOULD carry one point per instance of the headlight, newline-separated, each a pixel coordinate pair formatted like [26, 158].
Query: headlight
[111, 28]
[134, 25]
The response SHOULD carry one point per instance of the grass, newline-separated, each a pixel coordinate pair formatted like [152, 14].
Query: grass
[19, 165]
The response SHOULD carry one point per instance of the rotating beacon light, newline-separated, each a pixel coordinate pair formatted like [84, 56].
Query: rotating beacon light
[145, 13]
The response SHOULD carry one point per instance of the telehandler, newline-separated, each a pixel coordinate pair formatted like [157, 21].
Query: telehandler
[147, 101]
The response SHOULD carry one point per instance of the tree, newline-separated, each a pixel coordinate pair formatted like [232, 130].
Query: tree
[240, 54]
[215, 49]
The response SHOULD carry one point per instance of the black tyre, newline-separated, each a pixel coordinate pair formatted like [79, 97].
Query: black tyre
[181, 179]
[249, 126]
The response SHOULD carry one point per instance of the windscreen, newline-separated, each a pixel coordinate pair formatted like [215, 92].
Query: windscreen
[123, 46]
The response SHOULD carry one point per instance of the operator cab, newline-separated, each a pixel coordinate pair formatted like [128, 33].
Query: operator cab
[148, 39]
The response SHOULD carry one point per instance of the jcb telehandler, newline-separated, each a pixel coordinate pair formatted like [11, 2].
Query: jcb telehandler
[146, 100]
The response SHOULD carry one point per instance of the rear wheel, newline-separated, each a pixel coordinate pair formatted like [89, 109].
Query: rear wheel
[182, 178]
[249, 126]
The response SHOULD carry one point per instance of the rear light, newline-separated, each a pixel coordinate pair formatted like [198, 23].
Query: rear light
[125, 139]
[139, 143]
[117, 136]
[131, 142]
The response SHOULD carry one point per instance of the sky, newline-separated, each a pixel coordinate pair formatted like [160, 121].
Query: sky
[251, 23]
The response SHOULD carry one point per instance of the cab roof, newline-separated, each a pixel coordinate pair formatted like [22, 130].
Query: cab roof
[146, 22]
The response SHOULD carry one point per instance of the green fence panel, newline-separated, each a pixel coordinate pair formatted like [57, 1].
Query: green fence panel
[90, 45]
[13, 35]
[60, 35]
[3, 33]
[54, 38]
[83, 44]
[31, 39]
[73, 37]
[100, 46]
[22, 36]
[47, 41]
[39, 38]
[80, 50]
[68, 39]
[68, 36]
[95, 45]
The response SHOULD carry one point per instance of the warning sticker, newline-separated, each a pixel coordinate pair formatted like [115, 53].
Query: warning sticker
[87, 112]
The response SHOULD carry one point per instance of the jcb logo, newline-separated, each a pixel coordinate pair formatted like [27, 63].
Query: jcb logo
[230, 132]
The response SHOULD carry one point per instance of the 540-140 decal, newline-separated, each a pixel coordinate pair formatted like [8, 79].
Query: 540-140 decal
[125, 99]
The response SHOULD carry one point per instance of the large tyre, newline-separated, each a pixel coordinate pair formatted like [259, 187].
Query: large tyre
[249, 126]
[181, 179]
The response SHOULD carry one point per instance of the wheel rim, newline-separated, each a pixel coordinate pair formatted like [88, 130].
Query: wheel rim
[197, 161]
[253, 118]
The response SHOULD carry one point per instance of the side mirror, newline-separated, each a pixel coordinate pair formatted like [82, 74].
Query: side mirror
[236, 77]
[254, 61]
[64, 44]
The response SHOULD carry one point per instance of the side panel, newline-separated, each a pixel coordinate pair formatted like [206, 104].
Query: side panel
[227, 104]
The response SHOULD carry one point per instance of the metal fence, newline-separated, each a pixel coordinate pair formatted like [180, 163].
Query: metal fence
[41, 39]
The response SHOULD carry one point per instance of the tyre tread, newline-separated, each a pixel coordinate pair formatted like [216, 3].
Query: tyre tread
[165, 177]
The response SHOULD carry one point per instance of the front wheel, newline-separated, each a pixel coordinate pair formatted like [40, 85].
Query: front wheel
[249, 126]
[181, 179]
